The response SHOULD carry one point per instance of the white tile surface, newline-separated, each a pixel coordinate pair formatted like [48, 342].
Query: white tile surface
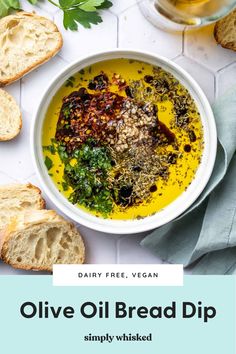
[204, 77]
[132, 31]
[7, 270]
[84, 42]
[43, 10]
[137, 33]
[121, 5]
[46, 6]
[101, 248]
[31, 90]
[201, 46]
[226, 78]
[130, 251]
[5, 179]
[15, 157]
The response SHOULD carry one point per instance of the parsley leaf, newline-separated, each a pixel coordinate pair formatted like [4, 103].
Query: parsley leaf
[33, 2]
[7, 5]
[68, 3]
[83, 12]
[105, 5]
[65, 186]
[91, 5]
[48, 162]
[50, 148]
[70, 82]
[75, 16]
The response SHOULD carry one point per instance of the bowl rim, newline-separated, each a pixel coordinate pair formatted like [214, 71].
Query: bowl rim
[125, 226]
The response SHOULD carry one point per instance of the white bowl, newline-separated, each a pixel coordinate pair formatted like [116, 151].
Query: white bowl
[170, 212]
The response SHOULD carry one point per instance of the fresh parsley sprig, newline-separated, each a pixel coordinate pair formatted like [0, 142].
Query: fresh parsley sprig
[83, 12]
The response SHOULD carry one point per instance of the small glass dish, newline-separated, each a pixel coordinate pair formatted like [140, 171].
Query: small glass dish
[175, 15]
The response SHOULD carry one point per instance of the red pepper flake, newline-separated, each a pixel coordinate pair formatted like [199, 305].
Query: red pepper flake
[119, 81]
[89, 115]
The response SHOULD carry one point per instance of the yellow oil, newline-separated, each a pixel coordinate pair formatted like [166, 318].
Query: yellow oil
[181, 174]
[192, 8]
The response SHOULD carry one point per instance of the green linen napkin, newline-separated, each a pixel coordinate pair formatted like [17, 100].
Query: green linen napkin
[204, 237]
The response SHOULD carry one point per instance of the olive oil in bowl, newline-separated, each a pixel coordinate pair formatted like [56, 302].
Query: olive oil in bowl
[122, 139]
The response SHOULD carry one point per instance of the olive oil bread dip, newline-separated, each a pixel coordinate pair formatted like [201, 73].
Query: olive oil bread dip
[122, 139]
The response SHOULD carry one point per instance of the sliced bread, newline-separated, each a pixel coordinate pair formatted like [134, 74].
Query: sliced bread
[17, 198]
[225, 31]
[10, 117]
[38, 239]
[26, 41]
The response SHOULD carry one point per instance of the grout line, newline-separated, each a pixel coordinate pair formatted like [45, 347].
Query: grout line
[191, 58]
[177, 57]
[212, 71]
[216, 86]
[8, 176]
[63, 59]
[203, 66]
[118, 240]
[129, 7]
[117, 251]
[26, 179]
[221, 70]
[117, 32]
[183, 40]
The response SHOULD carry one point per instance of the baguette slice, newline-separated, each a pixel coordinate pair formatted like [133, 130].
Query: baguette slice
[225, 31]
[26, 41]
[17, 198]
[10, 117]
[38, 239]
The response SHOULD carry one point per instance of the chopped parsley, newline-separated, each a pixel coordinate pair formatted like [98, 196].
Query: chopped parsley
[48, 162]
[70, 82]
[65, 186]
[86, 171]
[88, 177]
[50, 148]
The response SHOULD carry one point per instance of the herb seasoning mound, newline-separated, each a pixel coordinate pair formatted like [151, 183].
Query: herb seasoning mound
[123, 141]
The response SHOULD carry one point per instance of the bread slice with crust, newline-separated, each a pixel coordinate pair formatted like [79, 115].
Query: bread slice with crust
[225, 31]
[26, 41]
[18, 198]
[36, 240]
[10, 117]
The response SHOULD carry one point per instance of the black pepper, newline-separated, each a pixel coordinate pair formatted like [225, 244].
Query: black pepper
[153, 188]
[187, 148]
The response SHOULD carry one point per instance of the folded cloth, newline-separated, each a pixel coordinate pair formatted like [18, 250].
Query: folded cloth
[205, 235]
